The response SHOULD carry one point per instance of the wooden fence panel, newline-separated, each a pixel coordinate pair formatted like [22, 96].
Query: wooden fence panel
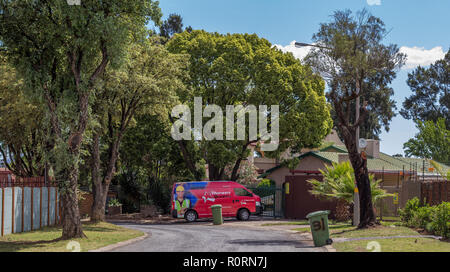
[435, 192]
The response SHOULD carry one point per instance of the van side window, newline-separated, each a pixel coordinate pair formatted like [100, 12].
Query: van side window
[241, 192]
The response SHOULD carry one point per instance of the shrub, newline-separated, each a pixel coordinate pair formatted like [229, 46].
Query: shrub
[411, 206]
[339, 183]
[421, 217]
[159, 193]
[114, 203]
[435, 219]
[266, 183]
[440, 220]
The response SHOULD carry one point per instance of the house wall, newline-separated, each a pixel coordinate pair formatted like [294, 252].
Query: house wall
[264, 163]
[280, 174]
[306, 164]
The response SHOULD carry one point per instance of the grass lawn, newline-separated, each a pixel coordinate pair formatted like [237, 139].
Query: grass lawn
[390, 218]
[301, 222]
[45, 239]
[396, 245]
[334, 228]
[387, 245]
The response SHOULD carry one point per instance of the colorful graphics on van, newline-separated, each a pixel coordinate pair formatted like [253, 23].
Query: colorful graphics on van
[183, 198]
[187, 195]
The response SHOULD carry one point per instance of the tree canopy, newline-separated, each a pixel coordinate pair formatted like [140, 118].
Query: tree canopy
[243, 69]
[431, 93]
[23, 140]
[356, 64]
[432, 141]
[145, 84]
[61, 50]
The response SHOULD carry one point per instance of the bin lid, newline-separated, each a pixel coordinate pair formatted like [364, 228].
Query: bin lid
[318, 213]
[216, 206]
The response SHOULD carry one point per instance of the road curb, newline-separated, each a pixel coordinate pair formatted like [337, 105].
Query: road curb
[120, 244]
[330, 248]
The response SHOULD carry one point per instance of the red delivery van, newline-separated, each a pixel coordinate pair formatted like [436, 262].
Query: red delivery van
[192, 200]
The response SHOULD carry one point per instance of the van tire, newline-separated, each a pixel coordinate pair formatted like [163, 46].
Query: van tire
[243, 214]
[190, 216]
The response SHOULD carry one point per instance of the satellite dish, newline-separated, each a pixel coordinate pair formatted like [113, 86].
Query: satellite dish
[362, 143]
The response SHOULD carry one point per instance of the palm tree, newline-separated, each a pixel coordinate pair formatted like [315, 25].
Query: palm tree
[440, 170]
[339, 183]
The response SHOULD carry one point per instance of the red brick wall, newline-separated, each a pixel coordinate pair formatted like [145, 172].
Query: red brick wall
[85, 205]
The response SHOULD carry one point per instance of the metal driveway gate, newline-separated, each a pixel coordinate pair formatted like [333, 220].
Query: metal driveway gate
[271, 200]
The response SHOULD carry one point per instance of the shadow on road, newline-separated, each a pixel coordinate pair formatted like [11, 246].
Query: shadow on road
[269, 243]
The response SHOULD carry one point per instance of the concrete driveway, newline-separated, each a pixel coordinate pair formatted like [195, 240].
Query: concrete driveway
[232, 236]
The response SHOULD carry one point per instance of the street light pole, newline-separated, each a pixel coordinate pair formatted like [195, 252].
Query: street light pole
[356, 205]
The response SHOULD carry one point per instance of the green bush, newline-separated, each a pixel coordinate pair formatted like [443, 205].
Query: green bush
[114, 203]
[159, 193]
[421, 217]
[411, 206]
[440, 220]
[266, 183]
[435, 219]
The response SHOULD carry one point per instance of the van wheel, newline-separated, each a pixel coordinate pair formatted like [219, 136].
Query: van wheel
[243, 214]
[190, 216]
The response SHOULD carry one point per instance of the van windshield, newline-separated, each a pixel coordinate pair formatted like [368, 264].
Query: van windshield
[242, 192]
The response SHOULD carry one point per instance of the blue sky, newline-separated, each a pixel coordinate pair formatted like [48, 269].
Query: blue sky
[420, 28]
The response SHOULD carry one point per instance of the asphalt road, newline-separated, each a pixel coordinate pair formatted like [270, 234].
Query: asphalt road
[204, 237]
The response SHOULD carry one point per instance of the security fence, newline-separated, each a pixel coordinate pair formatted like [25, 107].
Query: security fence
[434, 192]
[271, 200]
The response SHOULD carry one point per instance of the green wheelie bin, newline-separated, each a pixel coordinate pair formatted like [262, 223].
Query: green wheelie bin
[319, 228]
[217, 214]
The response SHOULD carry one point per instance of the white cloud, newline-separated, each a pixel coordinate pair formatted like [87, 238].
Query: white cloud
[415, 55]
[298, 52]
[420, 56]
[374, 2]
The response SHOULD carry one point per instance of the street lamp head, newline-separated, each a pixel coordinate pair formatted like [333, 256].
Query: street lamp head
[299, 44]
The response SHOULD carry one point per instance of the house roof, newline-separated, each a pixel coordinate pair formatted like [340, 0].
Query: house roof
[385, 162]
[335, 148]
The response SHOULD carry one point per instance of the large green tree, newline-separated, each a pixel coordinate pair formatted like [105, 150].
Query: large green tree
[23, 141]
[356, 64]
[61, 51]
[432, 141]
[145, 84]
[431, 93]
[381, 104]
[243, 69]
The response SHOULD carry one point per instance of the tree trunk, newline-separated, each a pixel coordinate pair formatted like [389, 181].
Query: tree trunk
[98, 207]
[100, 185]
[71, 220]
[342, 211]
[214, 173]
[359, 164]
